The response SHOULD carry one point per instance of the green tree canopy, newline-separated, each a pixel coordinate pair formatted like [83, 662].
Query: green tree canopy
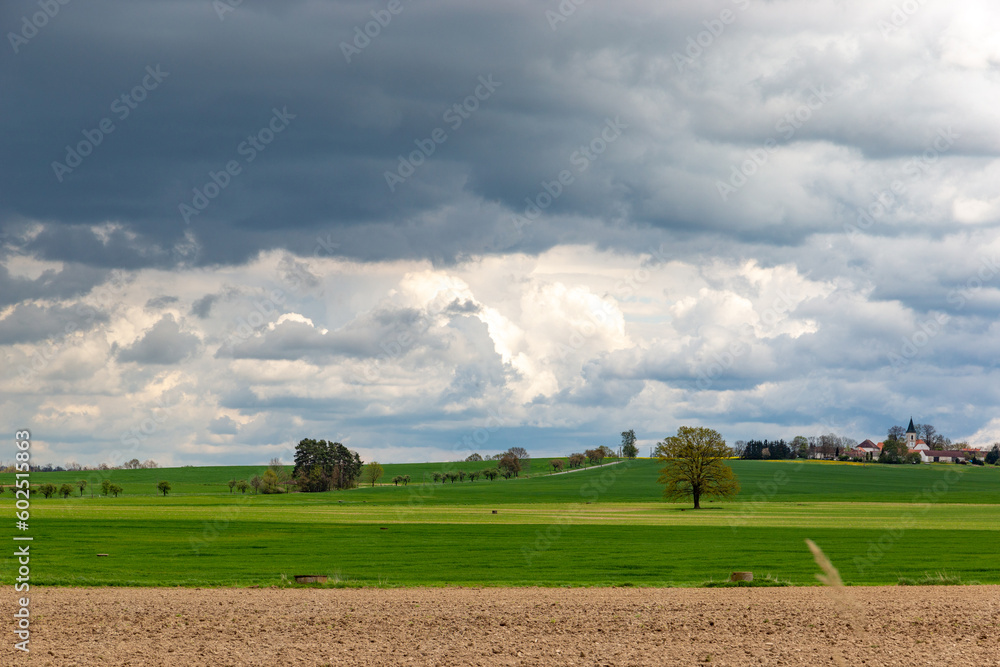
[629, 450]
[322, 465]
[694, 467]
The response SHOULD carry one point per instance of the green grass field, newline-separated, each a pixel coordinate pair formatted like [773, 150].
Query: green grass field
[603, 526]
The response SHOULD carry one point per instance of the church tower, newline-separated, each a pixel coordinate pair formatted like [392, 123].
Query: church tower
[911, 436]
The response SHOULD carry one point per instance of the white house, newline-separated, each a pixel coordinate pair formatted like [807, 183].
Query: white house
[941, 456]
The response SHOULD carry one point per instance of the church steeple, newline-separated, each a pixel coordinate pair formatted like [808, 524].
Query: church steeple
[911, 429]
[911, 436]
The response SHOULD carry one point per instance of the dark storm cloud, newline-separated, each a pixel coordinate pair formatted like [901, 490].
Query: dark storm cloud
[164, 344]
[179, 111]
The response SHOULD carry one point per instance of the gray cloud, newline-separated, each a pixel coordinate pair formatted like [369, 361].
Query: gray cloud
[799, 137]
[686, 127]
[156, 303]
[163, 344]
[29, 323]
[202, 308]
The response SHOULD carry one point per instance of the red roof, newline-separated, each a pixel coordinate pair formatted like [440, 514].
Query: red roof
[948, 454]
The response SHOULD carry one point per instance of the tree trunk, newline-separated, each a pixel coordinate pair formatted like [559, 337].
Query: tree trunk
[697, 496]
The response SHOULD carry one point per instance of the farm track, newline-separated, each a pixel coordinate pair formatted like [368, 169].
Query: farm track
[873, 626]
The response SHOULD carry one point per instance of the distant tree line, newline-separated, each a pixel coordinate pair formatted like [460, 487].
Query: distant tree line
[133, 464]
[766, 449]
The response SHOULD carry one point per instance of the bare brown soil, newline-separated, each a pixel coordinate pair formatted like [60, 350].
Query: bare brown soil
[536, 626]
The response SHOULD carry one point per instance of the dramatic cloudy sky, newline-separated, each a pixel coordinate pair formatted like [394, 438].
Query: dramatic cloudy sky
[228, 226]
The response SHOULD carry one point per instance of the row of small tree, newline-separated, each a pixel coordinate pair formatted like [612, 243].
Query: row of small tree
[472, 475]
[274, 480]
[66, 489]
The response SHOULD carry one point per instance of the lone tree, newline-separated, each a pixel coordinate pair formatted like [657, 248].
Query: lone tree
[163, 487]
[374, 472]
[693, 465]
[232, 483]
[629, 450]
[82, 484]
[65, 490]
